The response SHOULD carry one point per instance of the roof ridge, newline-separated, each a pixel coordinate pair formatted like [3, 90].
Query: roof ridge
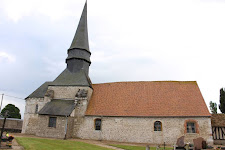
[143, 81]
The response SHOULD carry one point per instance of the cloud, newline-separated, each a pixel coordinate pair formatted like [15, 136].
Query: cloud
[50, 66]
[54, 9]
[5, 57]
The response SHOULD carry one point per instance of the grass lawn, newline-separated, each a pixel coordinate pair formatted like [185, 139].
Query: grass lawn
[128, 147]
[53, 144]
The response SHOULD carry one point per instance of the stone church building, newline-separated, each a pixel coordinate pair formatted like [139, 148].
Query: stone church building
[143, 112]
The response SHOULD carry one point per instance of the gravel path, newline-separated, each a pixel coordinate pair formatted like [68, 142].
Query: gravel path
[98, 143]
[16, 146]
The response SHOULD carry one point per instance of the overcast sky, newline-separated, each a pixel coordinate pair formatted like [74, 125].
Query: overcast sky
[130, 40]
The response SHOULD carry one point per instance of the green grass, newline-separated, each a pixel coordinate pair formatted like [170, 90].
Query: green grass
[128, 147]
[53, 144]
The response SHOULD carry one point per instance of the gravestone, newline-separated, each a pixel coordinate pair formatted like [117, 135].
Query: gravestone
[198, 143]
[180, 142]
[204, 145]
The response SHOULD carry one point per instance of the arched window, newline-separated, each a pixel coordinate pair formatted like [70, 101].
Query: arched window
[98, 123]
[191, 127]
[36, 109]
[157, 126]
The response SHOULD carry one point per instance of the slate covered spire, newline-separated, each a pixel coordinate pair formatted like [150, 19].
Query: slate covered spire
[79, 53]
[80, 39]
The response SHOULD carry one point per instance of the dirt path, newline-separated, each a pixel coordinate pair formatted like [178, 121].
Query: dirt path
[16, 146]
[98, 143]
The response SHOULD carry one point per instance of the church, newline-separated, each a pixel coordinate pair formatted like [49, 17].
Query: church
[151, 112]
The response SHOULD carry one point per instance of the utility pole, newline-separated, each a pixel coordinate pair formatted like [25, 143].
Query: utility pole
[1, 103]
[3, 126]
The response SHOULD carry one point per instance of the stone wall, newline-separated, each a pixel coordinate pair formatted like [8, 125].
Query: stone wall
[141, 130]
[11, 124]
[68, 92]
[30, 116]
[70, 126]
[53, 132]
[35, 124]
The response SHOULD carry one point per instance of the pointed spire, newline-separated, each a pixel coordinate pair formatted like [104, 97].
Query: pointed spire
[79, 53]
[80, 39]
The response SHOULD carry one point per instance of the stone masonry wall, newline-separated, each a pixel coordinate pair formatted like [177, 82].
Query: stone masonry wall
[70, 125]
[141, 130]
[52, 132]
[11, 124]
[30, 117]
[67, 92]
[31, 122]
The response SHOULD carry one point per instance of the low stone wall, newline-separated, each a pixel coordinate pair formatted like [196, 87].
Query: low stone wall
[141, 130]
[12, 125]
[219, 142]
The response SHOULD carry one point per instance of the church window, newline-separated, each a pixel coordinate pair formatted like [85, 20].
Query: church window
[98, 123]
[36, 109]
[157, 126]
[52, 122]
[191, 127]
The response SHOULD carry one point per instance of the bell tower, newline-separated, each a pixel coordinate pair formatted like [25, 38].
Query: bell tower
[79, 53]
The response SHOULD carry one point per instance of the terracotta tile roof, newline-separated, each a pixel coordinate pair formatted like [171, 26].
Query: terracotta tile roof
[218, 120]
[156, 98]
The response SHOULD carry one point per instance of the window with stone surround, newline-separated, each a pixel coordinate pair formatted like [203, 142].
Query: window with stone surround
[157, 126]
[191, 127]
[52, 122]
[98, 123]
[36, 109]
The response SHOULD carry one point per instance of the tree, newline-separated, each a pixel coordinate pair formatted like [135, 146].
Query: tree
[222, 100]
[13, 111]
[213, 107]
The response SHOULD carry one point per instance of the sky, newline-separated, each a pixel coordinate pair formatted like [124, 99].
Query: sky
[130, 40]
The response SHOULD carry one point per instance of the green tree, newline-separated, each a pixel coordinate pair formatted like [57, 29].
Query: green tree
[213, 107]
[13, 111]
[222, 100]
